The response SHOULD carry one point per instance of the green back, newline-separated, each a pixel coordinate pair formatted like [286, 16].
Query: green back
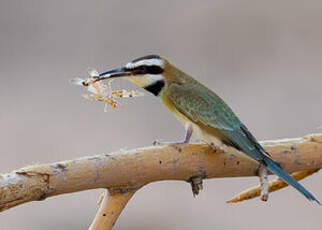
[204, 107]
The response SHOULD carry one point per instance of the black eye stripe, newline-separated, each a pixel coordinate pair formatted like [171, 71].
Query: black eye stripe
[146, 69]
[154, 69]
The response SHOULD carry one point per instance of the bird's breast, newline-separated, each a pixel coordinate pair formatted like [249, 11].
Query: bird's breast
[198, 131]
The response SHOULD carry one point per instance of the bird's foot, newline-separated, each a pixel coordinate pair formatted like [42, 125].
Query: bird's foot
[185, 141]
[157, 142]
[196, 185]
[262, 172]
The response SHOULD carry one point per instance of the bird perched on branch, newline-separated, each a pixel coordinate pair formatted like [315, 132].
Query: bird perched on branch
[203, 113]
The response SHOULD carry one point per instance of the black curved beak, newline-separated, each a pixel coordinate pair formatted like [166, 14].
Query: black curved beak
[114, 73]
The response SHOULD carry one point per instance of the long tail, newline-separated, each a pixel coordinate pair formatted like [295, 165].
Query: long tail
[277, 170]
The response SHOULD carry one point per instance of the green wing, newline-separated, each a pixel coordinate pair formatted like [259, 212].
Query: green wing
[204, 107]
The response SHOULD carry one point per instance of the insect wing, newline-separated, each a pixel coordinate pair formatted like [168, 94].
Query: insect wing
[77, 81]
[92, 72]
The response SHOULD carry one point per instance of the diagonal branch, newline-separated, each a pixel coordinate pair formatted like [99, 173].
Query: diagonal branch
[110, 209]
[126, 171]
[274, 185]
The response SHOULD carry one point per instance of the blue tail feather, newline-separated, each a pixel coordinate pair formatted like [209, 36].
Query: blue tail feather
[277, 170]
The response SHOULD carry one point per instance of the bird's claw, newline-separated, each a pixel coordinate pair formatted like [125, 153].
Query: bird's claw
[185, 141]
[157, 142]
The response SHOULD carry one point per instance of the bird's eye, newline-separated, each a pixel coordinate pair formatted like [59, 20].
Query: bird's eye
[155, 69]
[143, 68]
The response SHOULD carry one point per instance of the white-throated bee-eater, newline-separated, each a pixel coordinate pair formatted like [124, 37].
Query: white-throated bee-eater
[201, 111]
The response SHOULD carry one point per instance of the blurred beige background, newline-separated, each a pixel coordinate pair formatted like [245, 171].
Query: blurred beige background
[263, 57]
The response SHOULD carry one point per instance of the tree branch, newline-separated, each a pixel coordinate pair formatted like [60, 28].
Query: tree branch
[127, 171]
[110, 209]
[274, 185]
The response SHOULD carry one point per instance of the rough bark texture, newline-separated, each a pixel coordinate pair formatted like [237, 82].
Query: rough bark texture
[125, 171]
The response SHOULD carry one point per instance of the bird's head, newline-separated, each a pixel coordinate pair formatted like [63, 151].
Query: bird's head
[147, 72]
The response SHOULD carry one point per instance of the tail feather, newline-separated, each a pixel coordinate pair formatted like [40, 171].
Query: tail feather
[277, 170]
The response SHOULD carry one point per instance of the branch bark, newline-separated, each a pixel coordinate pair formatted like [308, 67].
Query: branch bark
[110, 209]
[273, 186]
[126, 171]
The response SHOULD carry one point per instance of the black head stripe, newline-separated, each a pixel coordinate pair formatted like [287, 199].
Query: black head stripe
[155, 87]
[154, 69]
[145, 69]
[146, 57]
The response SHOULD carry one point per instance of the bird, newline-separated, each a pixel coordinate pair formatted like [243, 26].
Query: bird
[202, 112]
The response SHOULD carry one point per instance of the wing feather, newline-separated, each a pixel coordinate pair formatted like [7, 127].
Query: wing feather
[203, 106]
